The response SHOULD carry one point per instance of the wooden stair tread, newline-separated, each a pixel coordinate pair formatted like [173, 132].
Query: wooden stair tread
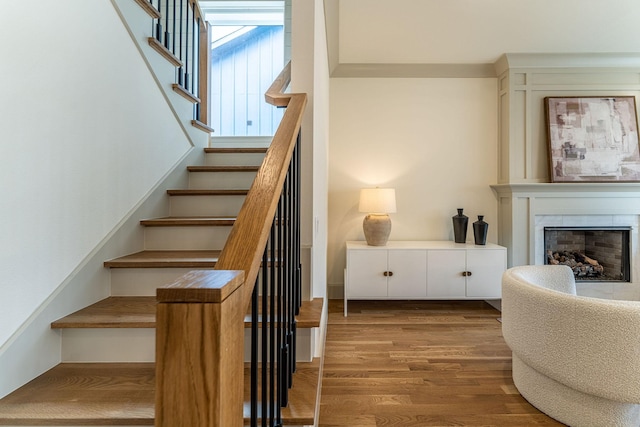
[309, 317]
[231, 150]
[206, 168]
[202, 126]
[113, 312]
[186, 94]
[124, 394]
[166, 259]
[310, 313]
[205, 192]
[164, 52]
[188, 221]
[140, 312]
[85, 394]
[303, 396]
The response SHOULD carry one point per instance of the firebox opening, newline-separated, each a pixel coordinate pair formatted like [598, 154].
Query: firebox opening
[594, 254]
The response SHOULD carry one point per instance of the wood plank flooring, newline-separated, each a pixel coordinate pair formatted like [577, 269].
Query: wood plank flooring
[124, 394]
[84, 394]
[420, 363]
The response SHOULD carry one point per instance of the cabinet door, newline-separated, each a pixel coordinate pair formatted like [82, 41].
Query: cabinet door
[486, 267]
[409, 279]
[444, 273]
[365, 272]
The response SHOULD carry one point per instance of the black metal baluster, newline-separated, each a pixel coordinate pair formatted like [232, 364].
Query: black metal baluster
[273, 400]
[266, 319]
[291, 268]
[167, 34]
[298, 180]
[286, 195]
[194, 63]
[284, 371]
[196, 70]
[181, 70]
[173, 47]
[158, 31]
[186, 49]
[154, 21]
[282, 394]
[254, 355]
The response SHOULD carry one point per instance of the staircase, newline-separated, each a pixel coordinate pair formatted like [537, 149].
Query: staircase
[108, 349]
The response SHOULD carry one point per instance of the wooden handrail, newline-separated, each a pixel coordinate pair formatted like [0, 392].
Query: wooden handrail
[200, 317]
[245, 245]
[275, 94]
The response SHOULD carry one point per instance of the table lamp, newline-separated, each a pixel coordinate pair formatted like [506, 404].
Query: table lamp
[377, 203]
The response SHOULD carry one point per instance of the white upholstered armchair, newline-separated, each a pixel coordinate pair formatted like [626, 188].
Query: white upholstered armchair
[575, 358]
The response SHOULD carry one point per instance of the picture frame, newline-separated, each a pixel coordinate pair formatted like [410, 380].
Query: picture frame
[592, 139]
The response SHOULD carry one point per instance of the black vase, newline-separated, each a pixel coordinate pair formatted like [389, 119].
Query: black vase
[460, 223]
[480, 231]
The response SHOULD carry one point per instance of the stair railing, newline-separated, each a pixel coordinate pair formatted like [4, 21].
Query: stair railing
[200, 317]
[181, 34]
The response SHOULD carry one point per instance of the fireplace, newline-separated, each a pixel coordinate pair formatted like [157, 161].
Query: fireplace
[525, 210]
[593, 253]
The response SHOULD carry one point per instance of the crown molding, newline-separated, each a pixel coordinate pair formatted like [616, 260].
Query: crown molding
[566, 60]
[362, 70]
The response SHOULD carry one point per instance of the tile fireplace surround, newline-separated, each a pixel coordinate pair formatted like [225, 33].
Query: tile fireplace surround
[525, 209]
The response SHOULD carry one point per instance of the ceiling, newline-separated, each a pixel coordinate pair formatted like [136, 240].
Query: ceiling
[243, 12]
[479, 31]
[476, 32]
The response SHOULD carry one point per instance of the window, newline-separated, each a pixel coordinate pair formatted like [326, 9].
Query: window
[247, 53]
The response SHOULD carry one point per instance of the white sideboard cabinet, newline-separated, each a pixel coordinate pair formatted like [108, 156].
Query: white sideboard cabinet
[423, 270]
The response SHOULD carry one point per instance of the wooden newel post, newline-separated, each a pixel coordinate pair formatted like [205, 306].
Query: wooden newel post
[199, 350]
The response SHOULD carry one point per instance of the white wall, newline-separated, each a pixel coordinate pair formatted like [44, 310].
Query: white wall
[433, 140]
[310, 74]
[85, 134]
[321, 85]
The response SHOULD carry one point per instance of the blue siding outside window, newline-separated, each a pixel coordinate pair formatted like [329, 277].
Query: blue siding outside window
[241, 72]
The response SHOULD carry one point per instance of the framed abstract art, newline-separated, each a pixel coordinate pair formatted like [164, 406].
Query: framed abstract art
[592, 139]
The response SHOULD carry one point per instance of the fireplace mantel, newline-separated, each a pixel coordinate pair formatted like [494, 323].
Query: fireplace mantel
[519, 204]
[523, 201]
[567, 189]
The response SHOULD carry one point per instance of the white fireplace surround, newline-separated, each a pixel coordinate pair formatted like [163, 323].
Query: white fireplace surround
[525, 209]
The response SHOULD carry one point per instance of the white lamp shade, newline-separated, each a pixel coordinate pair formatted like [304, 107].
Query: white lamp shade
[377, 200]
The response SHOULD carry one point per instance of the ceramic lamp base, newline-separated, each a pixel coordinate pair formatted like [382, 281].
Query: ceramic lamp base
[376, 229]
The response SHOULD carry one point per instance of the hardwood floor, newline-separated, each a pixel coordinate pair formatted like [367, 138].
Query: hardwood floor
[420, 363]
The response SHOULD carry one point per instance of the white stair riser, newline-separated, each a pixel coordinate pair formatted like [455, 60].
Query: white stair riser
[221, 180]
[108, 345]
[128, 282]
[138, 345]
[143, 281]
[205, 205]
[303, 353]
[186, 238]
[234, 159]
